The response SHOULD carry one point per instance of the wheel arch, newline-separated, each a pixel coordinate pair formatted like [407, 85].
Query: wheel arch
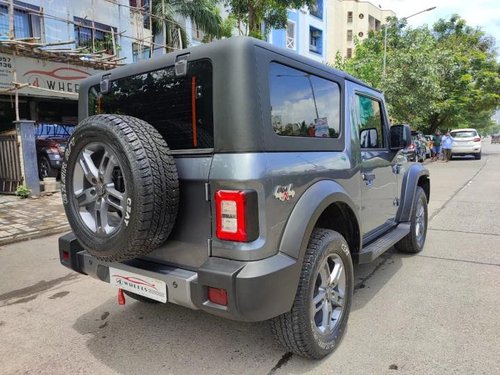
[416, 175]
[327, 205]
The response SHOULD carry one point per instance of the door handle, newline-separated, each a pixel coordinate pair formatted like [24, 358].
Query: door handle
[368, 177]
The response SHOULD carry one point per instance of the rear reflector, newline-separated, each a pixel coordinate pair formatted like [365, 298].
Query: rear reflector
[65, 256]
[217, 296]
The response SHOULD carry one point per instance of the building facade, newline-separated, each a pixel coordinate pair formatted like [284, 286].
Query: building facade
[305, 33]
[52, 45]
[350, 20]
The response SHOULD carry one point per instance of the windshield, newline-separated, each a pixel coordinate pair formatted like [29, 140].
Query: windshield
[464, 134]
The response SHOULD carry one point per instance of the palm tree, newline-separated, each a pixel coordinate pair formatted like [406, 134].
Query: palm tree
[204, 13]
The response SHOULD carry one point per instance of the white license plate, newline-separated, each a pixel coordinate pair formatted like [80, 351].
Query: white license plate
[139, 284]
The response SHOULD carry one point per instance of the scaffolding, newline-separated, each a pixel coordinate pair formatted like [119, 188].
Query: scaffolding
[100, 48]
[95, 45]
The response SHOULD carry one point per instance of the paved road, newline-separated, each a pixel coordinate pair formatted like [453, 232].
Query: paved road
[434, 313]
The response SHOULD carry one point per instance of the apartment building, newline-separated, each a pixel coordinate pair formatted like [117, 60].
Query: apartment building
[305, 32]
[350, 20]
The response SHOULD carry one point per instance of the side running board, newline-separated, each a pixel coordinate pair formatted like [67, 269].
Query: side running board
[376, 248]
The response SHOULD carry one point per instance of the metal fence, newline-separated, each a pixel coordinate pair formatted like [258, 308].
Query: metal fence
[10, 164]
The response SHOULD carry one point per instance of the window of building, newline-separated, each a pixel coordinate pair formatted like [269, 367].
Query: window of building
[349, 35]
[316, 9]
[361, 16]
[143, 7]
[94, 36]
[360, 34]
[373, 24]
[290, 35]
[140, 52]
[367, 117]
[349, 17]
[315, 40]
[349, 53]
[302, 104]
[26, 21]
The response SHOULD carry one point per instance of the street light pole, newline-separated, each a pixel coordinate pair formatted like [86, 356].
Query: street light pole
[385, 36]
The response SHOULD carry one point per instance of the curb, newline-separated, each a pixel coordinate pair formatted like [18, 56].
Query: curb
[34, 234]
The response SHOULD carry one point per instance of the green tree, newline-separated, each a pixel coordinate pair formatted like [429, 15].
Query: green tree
[441, 77]
[257, 17]
[204, 13]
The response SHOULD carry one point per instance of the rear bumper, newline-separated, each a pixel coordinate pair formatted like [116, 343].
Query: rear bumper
[257, 290]
[464, 150]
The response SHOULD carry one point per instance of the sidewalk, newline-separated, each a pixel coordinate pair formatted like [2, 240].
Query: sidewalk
[24, 219]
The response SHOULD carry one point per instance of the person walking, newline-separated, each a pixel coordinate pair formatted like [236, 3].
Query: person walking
[436, 149]
[447, 143]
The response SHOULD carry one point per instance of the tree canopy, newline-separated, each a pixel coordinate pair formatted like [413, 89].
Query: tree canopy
[257, 17]
[442, 77]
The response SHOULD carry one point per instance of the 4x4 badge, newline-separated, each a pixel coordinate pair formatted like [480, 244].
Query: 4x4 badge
[284, 193]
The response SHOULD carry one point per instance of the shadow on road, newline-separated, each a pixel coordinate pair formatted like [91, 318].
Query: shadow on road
[142, 338]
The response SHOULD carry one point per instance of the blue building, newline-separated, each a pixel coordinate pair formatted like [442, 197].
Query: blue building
[305, 32]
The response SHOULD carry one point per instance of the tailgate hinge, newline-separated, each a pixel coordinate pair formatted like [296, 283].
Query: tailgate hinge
[207, 192]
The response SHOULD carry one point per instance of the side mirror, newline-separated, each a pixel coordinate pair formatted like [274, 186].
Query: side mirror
[400, 137]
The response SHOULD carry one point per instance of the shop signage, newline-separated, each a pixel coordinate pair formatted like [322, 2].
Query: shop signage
[60, 77]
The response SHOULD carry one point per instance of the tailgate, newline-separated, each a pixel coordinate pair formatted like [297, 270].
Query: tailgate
[187, 245]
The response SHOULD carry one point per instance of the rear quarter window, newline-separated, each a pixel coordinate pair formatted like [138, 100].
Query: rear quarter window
[180, 108]
[302, 104]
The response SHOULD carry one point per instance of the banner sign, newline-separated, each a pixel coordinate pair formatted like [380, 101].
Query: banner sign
[63, 78]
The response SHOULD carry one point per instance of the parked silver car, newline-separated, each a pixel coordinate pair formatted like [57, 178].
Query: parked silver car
[466, 142]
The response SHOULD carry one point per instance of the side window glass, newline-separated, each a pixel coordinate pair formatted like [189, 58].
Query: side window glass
[368, 120]
[303, 105]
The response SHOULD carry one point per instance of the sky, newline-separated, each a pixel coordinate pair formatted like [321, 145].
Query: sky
[483, 13]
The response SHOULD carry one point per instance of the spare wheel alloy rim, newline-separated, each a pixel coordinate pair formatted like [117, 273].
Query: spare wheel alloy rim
[327, 307]
[99, 189]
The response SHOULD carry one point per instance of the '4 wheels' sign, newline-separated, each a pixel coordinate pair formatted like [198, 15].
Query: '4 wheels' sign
[58, 77]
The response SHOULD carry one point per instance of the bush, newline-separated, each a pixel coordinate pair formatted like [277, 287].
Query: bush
[23, 192]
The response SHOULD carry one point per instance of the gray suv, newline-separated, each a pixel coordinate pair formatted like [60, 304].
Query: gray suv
[242, 180]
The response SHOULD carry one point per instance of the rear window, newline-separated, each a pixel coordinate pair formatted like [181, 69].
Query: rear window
[464, 134]
[180, 108]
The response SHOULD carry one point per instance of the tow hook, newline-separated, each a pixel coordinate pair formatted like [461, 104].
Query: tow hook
[121, 297]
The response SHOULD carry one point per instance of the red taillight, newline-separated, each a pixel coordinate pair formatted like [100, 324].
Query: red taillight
[230, 206]
[65, 255]
[477, 139]
[218, 296]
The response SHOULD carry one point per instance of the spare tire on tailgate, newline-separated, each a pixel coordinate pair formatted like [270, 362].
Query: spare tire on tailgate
[119, 186]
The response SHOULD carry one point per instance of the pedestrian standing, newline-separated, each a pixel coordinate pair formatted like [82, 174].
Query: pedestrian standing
[436, 140]
[446, 144]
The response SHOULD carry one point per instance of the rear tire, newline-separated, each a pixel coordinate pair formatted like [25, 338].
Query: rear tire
[414, 241]
[478, 156]
[316, 323]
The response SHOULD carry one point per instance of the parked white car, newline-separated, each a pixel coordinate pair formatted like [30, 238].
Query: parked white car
[466, 142]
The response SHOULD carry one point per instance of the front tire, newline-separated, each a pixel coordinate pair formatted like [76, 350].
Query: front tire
[414, 241]
[316, 323]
